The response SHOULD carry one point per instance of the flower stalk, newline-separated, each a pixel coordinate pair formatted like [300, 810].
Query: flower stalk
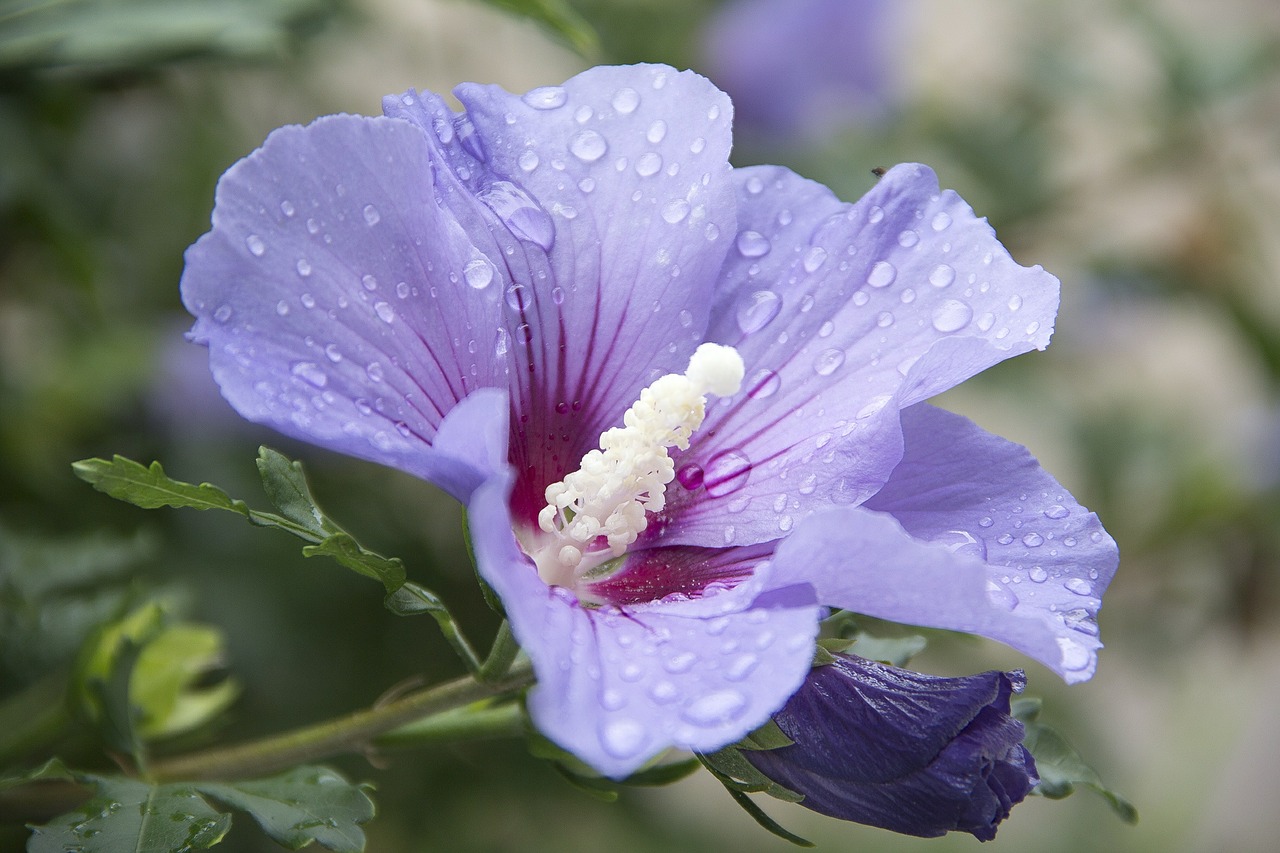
[350, 733]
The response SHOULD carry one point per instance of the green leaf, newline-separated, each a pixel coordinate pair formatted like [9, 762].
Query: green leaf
[350, 553]
[286, 486]
[768, 736]
[558, 18]
[128, 815]
[296, 808]
[150, 488]
[1060, 765]
[305, 804]
[103, 677]
[52, 770]
[168, 681]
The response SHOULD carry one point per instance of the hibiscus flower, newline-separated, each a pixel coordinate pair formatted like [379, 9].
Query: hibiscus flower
[682, 402]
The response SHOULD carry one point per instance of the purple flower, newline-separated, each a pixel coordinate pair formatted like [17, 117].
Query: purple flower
[804, 67]
[476, 298]
[913, 753]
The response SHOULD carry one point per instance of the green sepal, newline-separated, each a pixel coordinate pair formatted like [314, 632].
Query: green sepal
[767, 823]
[295, 808]
[1060, 765]
[740, 778]
[768, 736]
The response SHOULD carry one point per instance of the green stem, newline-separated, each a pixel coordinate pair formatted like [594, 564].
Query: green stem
[501, 655]
[460, 724]
[350, 733]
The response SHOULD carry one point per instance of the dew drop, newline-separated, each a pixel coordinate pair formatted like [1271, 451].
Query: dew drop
[626, 100]
[1033, 540]
[882, 274]
[1057, 511]
[726, 472]
[1079, 586]
[332, 352]
[657, 132]
[371, 215]
[885, 320]
[385, 312]
[402, 290]
[755, 186]
[985, 521]
[697, 146]
[623, 738]
[311, 372]
[814, 258]
[304, 267]
[951, 316]
[663, 692]
[307, 300]
[764, 384]
[1074, 656]
[478, 273]
[546, 97]
[223, 314]
[1015, 302]
[753, 244]
[690, 476]
[828, 361]
[282, 308]
[742, 667]
[521, 213]
[648, 164]
[876, 214]
[528, 160]
[718, 708]
[963, 542]
[588, 146]
[1038, 574]
[758, 310]
[675, 211]
[256, 247]
[679, 663]
[908, 238]
[1001, 596]
[942, 275]
[369, 282]
[941, 221]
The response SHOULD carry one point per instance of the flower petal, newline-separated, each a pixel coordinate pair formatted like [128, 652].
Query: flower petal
[913, 753]
[941, 551]
[324, 292]
[616, 686]
[844, 314]
[631, 164]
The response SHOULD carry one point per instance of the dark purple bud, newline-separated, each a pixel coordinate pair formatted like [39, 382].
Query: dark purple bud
[916, 754]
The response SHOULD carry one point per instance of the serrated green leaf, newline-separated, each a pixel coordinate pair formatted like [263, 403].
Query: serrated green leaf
[350, 553]
[411, 599]
[150, 488]
[286, 487]
[128, 815]
[558, 18]
[1061, 768]
[305, 804]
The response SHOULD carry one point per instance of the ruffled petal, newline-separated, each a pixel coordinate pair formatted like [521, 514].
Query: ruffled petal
[631, 167]
[917, 754]
[941, 550]
[843, 314]
[616, 686]
[327, 292]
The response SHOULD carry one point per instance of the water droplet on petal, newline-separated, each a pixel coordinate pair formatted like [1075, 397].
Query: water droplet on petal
[882, 274]
[963, 542]
[675, 211]
[1001, 596]
[478, 273]
[1057, 511]
[726, 472]
[546, 97]
[681, 662]
[304, 267]
[1038, 574]
[814, 258]
[588, 146]
[623, 738]
[311, 373]
[942, 275]
[718, 708]
[758, 310]
[764, 384]
[1074, 656]
[521, 213]
[371, 215]
[1033, 540]
[753, 244]
[1079, 586]
[385, 312]
[951, 316]
[626, 100]
[528, 160]
[875, 215]
[648, 164]
[657, 131]
[908, 238]
[256, 246]
[690, 476]
[223, 314]
[941, 221]
[828, 361]
[742, 667]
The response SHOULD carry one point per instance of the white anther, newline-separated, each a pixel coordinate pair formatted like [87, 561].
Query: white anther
[615, 486]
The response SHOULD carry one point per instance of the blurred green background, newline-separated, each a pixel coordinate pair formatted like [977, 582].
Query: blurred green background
[1132, 148]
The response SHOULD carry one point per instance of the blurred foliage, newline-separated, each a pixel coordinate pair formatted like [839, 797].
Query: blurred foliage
[116, 119]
